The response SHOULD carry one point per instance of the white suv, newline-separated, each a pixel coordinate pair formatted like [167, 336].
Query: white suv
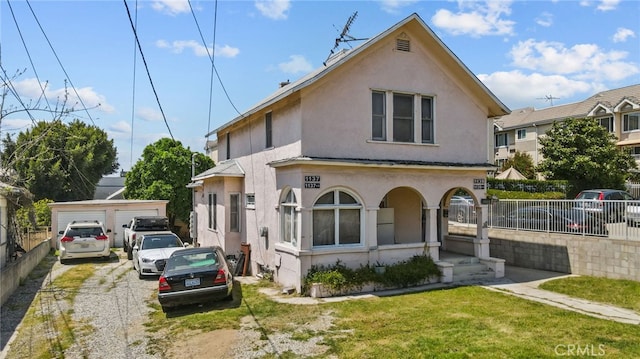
[84, 240]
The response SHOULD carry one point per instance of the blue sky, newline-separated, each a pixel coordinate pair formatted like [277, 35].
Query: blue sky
[523, 51]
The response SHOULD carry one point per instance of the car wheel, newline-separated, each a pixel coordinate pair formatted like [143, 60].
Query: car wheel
[166, 309]
[140, 276]
[63, 261]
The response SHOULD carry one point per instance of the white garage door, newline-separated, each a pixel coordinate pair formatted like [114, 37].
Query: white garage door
[123, 217]
[65, 218]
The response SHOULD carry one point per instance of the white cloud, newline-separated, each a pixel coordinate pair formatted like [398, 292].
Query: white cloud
[120, 127]
[30, 88]
[15, 124]
[227, 51]
[394, 6]
[274, 9]
[171, 7]
[149, 114]
[622, 34]
[296, 64]
[476, 19]
[198, 49]
[545, 19]
[584, 61]
[517, 89]
[608, 5]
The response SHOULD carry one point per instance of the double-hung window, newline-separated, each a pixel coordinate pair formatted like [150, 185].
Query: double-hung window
[631, 122]
[234, 212]
[289, 218]
[521, 134]
[402, 118]
[501, 140]
[378, 116]
[606, 122]
[211, 211]
[427, 119]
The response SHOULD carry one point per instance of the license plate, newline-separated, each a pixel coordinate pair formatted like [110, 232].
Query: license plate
[192, 282]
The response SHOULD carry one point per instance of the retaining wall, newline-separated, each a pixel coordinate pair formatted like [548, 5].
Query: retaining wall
[15, 272]
[565, 253]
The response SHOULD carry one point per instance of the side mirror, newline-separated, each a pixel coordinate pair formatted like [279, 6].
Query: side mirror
[125, 226]
[108, 231]
[61, 232]
[135, 248]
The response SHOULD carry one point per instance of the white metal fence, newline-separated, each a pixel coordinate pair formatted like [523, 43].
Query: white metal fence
[612, 219]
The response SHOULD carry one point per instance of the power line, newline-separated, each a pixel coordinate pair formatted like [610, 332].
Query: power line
[60, 63]
[135, 34]
[133, 94]
[26, 49]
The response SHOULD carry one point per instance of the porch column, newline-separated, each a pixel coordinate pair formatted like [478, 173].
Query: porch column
[432, 246]
[481, 242]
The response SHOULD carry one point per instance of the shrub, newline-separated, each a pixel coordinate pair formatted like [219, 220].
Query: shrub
[339, 277]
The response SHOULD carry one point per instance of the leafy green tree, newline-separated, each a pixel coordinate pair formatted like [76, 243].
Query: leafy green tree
[584, 153]
[523, 162]
[63, 162]
[163, 173]
[37, 216]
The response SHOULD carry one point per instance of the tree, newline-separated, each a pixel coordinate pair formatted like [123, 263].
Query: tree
[163, 172]
[521, 161]
[584, 153]
[63, 162]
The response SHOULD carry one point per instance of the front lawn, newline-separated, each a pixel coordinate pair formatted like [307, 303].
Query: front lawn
[621, 293]
[451, 323]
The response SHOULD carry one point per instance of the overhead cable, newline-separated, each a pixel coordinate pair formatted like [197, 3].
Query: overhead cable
[135, 34]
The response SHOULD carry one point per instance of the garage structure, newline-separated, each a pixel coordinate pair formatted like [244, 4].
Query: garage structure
[112, 213]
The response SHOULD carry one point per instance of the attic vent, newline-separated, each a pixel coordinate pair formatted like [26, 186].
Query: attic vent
[403, 45]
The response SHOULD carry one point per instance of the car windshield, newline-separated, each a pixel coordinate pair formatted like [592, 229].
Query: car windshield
[154, 242]
[191, 260]
[588, 195]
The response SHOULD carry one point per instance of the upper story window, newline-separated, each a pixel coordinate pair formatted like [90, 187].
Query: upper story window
[402, 118]
[336, 219]
[501, 140]
[378, 116]
[228, 139]
[427, 120]
[267, 130]
[606, 122]
[631, 122]
[635, 152]
[521, 134]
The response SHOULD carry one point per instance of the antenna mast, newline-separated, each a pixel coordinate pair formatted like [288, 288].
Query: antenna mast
[548, 98]
[344, 36]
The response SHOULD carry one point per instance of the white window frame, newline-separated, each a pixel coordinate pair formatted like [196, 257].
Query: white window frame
[234, 216]
[427, 120]
[268, 130]
[502, 135]
[336, 207]
[610, 125]
[625, 121]
[401, 119]
[212, 203]
[385, 120]
[288, 206]
[521, 134]
[250, 200]
[382, 117]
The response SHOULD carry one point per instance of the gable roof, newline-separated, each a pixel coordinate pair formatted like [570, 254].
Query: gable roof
[228, 168]
[606, 100]
[494, 105]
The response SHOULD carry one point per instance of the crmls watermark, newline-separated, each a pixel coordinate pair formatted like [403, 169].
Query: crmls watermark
[568, 350]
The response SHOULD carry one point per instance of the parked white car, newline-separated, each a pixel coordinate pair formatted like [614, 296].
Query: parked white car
[151, 251]
[84, 239]
[632, 213]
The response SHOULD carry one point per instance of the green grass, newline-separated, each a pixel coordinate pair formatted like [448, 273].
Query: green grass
[453, 323]
[621, 293]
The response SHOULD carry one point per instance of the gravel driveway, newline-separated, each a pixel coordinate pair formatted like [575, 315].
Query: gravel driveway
[106, 320]
[106, 315]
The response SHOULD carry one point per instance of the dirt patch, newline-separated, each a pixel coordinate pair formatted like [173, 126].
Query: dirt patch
[213, 344]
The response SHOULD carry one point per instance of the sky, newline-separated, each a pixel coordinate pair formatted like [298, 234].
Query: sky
[201, 63]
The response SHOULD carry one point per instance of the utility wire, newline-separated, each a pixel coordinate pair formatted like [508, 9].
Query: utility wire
[26, 49]
[133, 94]
[60, 63]
[135, 34]
[212, 62]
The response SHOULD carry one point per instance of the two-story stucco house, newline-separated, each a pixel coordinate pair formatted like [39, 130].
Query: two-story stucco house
[618, 110]
[356, 161]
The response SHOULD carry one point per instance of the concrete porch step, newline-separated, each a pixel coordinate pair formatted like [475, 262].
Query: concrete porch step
[470, 272]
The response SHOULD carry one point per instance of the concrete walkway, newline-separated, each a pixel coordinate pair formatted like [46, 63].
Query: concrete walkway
[519, 282]
[523, 283]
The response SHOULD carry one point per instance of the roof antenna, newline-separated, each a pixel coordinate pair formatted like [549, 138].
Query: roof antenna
[344, 36]
[548, 98]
